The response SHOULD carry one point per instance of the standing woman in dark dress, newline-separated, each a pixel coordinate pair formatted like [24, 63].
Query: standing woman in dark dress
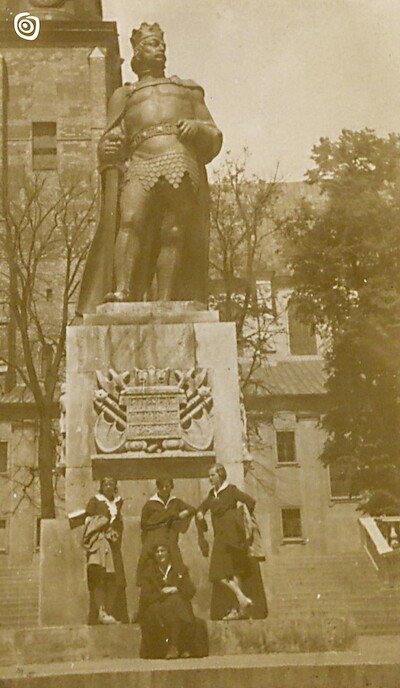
[102, 542]
[232, 569]
[164, 517]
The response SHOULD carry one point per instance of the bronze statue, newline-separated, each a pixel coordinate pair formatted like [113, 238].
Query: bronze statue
[153, 226]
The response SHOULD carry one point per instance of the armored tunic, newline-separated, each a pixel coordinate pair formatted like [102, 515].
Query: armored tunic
[171, 166]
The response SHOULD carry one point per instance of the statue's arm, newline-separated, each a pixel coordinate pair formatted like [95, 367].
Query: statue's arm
[202, 130]
[113, 144]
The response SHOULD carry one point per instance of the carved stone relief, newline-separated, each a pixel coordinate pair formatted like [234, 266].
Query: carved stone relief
[152, 411]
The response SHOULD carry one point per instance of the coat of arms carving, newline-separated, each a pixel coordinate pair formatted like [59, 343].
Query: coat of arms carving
[153, 411]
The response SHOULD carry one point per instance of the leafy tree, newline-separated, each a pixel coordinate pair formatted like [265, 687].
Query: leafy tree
[345, 257]
[43, 243]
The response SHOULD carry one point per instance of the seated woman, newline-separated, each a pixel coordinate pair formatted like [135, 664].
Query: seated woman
[166, 616]
[102, 542]
[163, 518]
[238, 590]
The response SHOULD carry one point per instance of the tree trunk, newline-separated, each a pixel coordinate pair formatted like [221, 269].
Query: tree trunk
[47, 458]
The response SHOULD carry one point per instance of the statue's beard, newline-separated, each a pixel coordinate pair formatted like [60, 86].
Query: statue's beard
[155, 67]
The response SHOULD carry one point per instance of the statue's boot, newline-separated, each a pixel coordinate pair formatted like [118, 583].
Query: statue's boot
[116, 297]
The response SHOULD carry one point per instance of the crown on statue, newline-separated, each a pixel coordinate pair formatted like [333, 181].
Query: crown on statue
[146, 31]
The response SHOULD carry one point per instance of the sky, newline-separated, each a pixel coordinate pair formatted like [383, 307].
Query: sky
[279, 74]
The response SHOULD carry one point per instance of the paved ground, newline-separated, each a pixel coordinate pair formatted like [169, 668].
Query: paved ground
[371, 650]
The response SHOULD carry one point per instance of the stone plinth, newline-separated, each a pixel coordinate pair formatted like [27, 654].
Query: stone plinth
[77, 643]
[150, 312]
[127, 338]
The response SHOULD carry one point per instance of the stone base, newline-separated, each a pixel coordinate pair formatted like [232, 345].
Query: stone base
[128, 336]
[63, 591]
[150, 312]
[147, 466]
[124, 337]
[78, 643]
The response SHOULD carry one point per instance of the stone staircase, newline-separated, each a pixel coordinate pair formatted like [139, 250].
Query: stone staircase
[333, 585]
[19, 596]
[298, 587]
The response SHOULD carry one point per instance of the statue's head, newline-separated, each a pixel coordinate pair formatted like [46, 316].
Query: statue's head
[148, 50]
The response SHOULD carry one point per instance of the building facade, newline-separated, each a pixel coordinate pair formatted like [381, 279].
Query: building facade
[53, 98]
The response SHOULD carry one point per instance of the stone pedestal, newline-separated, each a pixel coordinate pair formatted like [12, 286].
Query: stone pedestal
[124, 338]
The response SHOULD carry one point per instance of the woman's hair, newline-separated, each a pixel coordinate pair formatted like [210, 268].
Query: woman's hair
[220, 470]
[162, 482]
[107, 478]
[162, 543]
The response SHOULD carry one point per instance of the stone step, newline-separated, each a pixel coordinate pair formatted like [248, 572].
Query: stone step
[322, 670]
[77, 643]
[19, 597]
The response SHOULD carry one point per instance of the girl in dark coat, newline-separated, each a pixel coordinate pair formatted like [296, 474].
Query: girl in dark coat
[163, 518]
[166, 617]
[102, 542]
[231, 567]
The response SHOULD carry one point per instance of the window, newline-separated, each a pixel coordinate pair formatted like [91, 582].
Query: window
[291, 524]
[38, 522]
[44, 145]
[49, 294]
[3, 457]
[3, 535]
[341, 479]
[285, 447]
[302, 339]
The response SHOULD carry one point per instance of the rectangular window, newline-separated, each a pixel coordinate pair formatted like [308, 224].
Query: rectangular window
[3, 457]
[291, 524]
[44, 145]
[3, 535]
[340, 478]
[302, 339]
[285, 446]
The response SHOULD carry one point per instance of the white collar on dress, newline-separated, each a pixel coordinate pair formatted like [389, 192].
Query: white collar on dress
[165, 575]
[222, 487]
[111, 504]
[156, 498]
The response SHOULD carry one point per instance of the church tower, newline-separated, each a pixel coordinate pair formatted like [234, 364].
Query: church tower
[54, 89]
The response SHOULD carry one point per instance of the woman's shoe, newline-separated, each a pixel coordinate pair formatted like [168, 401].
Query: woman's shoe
[105, 618]
[172, 653]
[232, 615]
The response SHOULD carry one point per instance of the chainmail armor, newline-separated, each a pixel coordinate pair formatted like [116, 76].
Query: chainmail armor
[170, 166]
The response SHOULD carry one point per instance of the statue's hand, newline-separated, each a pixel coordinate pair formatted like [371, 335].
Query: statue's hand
[188, 129]
[110, 147]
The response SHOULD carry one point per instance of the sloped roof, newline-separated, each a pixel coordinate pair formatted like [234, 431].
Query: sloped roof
[299, 377]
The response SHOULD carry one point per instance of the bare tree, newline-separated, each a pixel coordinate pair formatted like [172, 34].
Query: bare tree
[43, 243]
[242, 227]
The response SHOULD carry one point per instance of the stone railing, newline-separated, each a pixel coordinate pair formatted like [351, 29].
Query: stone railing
[380, 538]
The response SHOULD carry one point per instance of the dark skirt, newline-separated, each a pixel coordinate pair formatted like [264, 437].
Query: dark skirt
[229, 553]
[171, 621]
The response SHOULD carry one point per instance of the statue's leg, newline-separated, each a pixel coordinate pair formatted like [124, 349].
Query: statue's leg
[132, 245]
[178, 211]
